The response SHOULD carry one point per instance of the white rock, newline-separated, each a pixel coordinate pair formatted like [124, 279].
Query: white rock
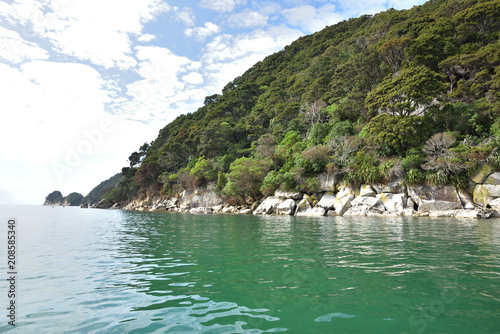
[267, 206]
[327, 201]
[302, 207]
[287, 207]
[474, 214]
[287, 194]
[316, 211]
[200, 210]
[393, 203]
[366, 191]
[447, 213]
[364, 206]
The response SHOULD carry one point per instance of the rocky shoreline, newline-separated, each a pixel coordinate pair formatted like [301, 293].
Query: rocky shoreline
[481, 199]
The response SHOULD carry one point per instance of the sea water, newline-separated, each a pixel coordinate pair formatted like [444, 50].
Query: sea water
[115, 271]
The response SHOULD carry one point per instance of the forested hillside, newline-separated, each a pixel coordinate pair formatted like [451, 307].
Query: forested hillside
[411, 94]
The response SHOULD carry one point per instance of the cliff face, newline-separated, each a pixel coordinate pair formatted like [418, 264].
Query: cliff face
[333, 198]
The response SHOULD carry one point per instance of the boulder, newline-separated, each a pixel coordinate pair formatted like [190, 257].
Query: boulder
[343, 198]
[366, 191]
[84, 205]
[393, 203]
[474, 214]
[326, 182]
[103, 204]
[327, 201]
[245, 212]
[466, 200]
[287, 194]
[217, 208]
[317, 211]
[428, 198]
[482, 174]
[267, 206]
[202, 210]
[493, 179]
[395, 187]
[287, 207]
[484, 193]
[365, 206]
[445, 213]
[302, 206]
[432, 205]
[313, 200]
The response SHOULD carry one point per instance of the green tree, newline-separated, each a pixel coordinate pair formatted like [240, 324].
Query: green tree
[203, 171]
[405, 92]
[245, 179]
[393, 52]
[396, 134]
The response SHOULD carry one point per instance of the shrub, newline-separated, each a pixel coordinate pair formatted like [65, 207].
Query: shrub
[395, 134]
[245, 179]
[202, 171]
[414, 177]
[271, 182]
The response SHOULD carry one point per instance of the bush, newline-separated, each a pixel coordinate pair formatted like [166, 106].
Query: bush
[245, 179]
[202, 171]
[396, 134]
[414, 177]
[271, 182]
[363, 169]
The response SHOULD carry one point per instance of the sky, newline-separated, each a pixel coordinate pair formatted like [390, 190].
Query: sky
[84, 83]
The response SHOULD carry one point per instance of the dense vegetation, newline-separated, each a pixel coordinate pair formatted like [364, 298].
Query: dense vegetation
[103, 189]
[412, 94]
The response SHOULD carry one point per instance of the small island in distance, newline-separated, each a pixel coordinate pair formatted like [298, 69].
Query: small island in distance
[55, 198]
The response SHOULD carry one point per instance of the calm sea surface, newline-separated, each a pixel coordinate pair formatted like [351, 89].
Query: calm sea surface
[107, 271]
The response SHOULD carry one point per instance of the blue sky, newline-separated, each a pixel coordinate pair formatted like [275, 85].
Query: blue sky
[85, 82]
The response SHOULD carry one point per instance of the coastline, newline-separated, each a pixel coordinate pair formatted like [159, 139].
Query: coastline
[481, 200]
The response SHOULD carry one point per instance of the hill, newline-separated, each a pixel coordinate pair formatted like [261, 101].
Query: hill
[56, 198]
[411, 94]
[103, 189]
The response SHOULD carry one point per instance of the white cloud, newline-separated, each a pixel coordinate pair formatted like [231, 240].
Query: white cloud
[228, 56]
[201, 33]
[165, 84]
[248, 19]
[185, 15]
[52, 109]
[40, 96]
[15, 49]
[146, 38]
[312, 19]
[89, 29]
[221, 6]
[193, 78]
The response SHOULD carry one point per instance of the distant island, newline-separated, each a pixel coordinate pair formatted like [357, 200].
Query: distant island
[93, 197]
[408, 97]
[55, 198]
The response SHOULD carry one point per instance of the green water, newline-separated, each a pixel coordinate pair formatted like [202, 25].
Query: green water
[104, 271]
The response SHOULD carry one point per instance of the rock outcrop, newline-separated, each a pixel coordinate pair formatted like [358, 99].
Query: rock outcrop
[332, 199]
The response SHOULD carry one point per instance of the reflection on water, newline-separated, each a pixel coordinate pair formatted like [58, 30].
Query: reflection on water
[103, 271]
